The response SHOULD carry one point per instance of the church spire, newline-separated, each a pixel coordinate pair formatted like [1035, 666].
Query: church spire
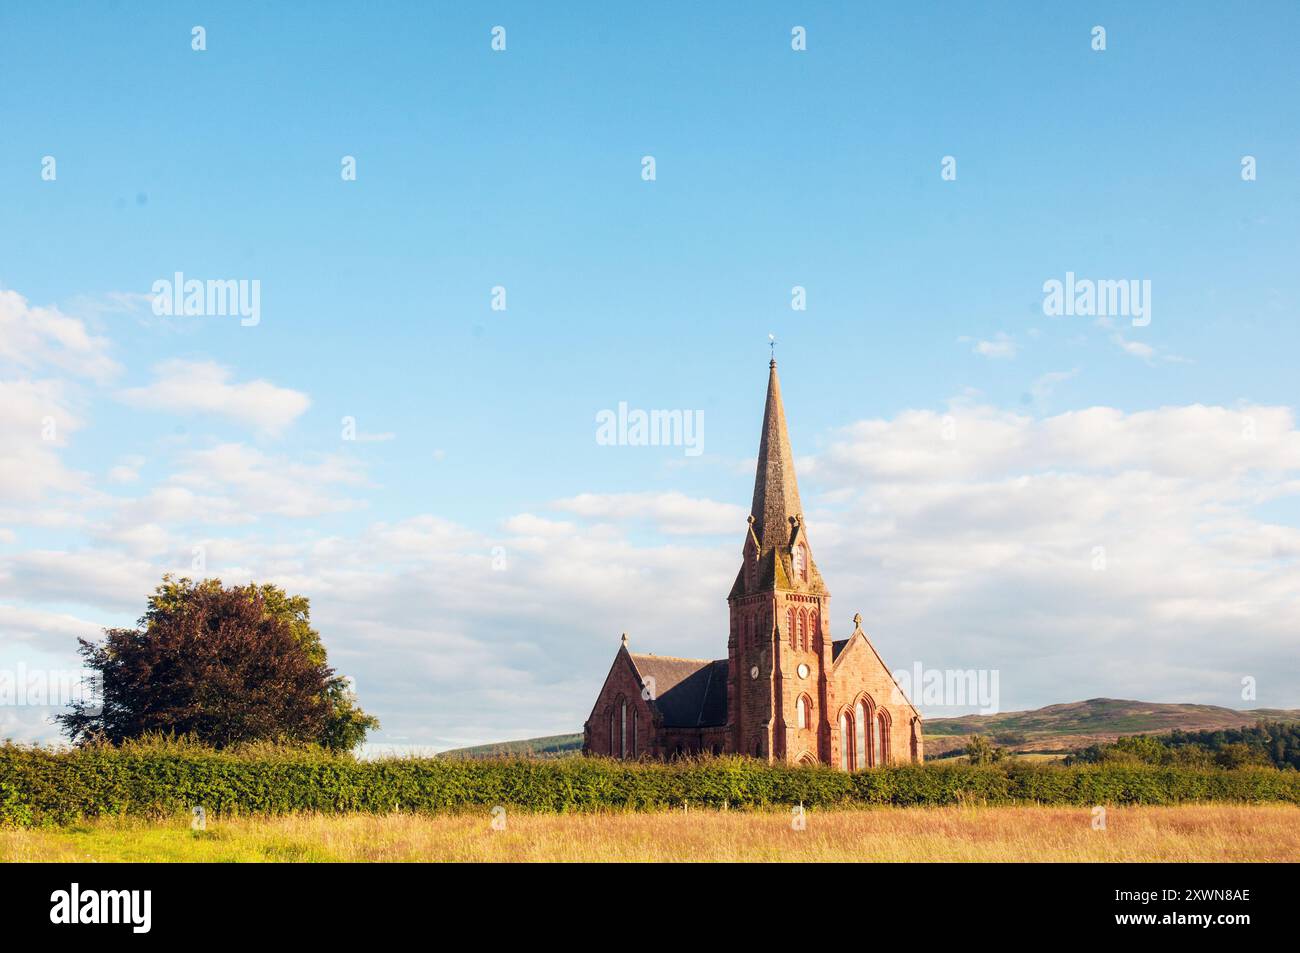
[777, 553]
[776, 492]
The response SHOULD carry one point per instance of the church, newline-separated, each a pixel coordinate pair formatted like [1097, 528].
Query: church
[787, 691]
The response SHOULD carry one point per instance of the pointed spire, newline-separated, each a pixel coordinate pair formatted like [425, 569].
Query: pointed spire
[785, 559]
[776, 492]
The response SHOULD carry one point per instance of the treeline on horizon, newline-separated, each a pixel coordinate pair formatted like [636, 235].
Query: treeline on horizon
[156, 779]
[1275, 744]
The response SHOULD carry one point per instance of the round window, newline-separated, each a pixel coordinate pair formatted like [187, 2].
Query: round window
[803, 671]
[753, 672]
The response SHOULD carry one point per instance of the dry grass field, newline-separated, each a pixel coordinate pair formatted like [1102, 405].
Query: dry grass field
[1187, 833]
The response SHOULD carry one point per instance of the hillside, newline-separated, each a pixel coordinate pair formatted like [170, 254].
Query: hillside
[1054, 728]
[1076, 724]
[550, 746]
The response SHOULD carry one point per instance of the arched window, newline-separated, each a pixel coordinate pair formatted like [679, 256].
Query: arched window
[882, 738]
[803, 630]
[864, 719]
[622, 730]
[789, 616]
[801, 711]
[613, 736]
[635, 720]
[846, 741]
[800, 562]
[817, 632]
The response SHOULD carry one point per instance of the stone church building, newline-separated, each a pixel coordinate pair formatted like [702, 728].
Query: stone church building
[786, 691]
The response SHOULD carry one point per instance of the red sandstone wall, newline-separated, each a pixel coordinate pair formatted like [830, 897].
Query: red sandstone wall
[621, 682]
[791, 741]
[750, 700]
[860, 670]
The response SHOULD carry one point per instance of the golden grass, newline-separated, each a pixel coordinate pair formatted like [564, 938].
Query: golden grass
[1188, 833]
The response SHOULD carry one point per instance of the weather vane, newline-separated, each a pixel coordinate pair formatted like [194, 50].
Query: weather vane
[771, 342]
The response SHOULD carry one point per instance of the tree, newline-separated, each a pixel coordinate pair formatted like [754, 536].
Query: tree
[225, 665]
[1240, 755]
[979, 751]
[1265, 743]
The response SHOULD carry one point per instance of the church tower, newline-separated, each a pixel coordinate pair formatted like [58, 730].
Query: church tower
[779, 649]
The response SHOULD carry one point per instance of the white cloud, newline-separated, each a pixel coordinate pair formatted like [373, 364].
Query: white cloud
[1136, 349]
[57, 631]
[421, 536]
[41, 339]
[673, 513]
[528, 526]
[127, 469]
[1043, 387]
[36, 420]
[106, 579]
[40, 411]
[1002, 346]
[256, 484]
[974, 440]
[204, 387]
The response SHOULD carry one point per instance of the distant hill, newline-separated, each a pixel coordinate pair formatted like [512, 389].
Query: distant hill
[1052, 729]
[551, 746]
[1077, 724]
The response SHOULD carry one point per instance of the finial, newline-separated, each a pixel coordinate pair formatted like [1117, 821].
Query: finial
[751, 519]
[771, 341]
[624, 640]
[857, 621]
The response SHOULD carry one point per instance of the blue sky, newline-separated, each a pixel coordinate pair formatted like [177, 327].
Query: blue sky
[775, 168]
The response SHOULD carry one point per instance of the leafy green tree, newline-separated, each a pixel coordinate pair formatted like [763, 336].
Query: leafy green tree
[980, 751]
[225, 665]
[1239, 755]
[1192, 756]
[1264, 743]
[1144, 748]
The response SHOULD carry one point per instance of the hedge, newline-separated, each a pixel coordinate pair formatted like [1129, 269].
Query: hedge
[40, 786]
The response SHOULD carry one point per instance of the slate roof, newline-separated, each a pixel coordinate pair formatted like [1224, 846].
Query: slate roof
[689, 692]
[837, 646]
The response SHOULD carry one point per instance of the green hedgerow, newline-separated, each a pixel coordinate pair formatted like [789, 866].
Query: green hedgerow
[164, 777]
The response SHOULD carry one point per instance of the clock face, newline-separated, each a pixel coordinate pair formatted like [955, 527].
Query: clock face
[753, 672]
[803, 671]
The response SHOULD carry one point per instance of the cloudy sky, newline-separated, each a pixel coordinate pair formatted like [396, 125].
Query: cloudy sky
[1089, 506]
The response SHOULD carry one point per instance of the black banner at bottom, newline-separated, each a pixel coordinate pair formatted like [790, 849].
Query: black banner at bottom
[141, 902]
